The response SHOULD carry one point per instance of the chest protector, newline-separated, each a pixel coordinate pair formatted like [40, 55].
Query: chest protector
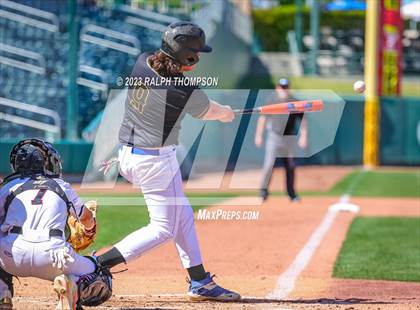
[41, 183]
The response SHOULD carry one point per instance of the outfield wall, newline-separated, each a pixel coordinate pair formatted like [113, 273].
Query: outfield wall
[75, 155]
[400, 135]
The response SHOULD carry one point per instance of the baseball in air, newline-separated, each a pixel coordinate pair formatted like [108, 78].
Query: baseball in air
[359, 86]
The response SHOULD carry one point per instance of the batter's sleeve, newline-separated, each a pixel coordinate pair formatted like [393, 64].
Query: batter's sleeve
[198, 104]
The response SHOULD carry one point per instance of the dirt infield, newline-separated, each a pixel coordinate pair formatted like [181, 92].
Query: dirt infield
[308, 178]
[249, 257]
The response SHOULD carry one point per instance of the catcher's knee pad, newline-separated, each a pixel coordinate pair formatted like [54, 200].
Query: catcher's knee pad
[7, 278]
[95, 288]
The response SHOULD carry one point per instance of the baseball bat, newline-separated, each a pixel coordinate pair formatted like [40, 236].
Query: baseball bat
[292, 107]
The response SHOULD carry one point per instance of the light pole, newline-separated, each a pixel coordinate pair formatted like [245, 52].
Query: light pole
[72, 96]
[315, 11]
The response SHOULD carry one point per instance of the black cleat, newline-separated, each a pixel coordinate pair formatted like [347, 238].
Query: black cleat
[294, 199]
[264, 194]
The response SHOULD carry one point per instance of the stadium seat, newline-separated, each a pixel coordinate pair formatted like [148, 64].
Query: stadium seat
[49, 90]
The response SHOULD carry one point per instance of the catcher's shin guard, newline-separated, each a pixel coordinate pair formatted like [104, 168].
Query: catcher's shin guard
[6, 295]
[8, 279]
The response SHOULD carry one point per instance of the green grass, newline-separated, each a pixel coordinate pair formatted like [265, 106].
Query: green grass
[117, 221]
[381, 249]
[344, 86]
[341, 85]
[379, 184]
[370, 184]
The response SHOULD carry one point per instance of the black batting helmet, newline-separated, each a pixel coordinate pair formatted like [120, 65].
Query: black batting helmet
[34, 156]
[183, 41]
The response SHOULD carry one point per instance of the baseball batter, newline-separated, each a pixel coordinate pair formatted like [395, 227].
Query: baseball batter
[149, 135]
[35, 205]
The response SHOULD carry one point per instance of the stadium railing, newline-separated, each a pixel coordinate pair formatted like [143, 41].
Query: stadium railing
[37, 15]
[17, 54]
[52, 131]
[92, 34]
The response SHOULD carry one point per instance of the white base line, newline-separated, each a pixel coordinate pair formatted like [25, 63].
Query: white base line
[178, 295]
[46, 299]
[286, 281]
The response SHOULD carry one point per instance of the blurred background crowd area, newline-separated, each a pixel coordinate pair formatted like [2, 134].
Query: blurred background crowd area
[35, 51]
[340, 36]
[59, 59]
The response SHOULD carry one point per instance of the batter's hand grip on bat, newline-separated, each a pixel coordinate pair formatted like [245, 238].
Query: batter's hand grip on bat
[292, 107]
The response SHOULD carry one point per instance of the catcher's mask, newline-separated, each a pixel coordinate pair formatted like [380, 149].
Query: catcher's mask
[183, 41]
[34, 156]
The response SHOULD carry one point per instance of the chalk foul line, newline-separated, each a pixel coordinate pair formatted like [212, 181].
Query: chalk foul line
[286, 281]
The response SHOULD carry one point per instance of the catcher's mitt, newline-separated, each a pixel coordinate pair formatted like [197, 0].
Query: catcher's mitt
[83, 230]
[95, 288]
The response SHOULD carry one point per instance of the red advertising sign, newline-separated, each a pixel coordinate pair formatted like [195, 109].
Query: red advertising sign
[390, 48]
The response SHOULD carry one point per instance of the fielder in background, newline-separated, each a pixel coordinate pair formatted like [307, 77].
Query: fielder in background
[43, 222]
[147, 157]
[276, 145]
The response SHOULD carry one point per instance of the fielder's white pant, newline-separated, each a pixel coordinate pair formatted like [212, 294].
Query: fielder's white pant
[23, 258]
[171, 215]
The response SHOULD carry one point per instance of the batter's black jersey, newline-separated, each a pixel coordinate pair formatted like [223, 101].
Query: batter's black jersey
[283, 125]
[155, 106]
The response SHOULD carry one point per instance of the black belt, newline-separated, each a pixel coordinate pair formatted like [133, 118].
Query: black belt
[53, 232]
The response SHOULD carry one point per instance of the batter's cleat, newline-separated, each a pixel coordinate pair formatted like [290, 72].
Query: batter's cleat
[6, 303]
[207, 289]
[67, 292]
[264, 194]
[294, 199]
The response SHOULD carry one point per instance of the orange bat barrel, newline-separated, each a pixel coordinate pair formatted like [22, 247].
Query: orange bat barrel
[292, 107]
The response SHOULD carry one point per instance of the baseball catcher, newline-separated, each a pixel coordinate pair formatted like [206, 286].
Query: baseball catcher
[43, 224]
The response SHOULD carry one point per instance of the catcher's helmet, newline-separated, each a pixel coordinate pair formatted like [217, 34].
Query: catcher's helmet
[183, 41]
[34, 156]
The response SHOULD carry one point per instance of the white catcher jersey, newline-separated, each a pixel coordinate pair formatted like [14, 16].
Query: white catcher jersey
[35, 209]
